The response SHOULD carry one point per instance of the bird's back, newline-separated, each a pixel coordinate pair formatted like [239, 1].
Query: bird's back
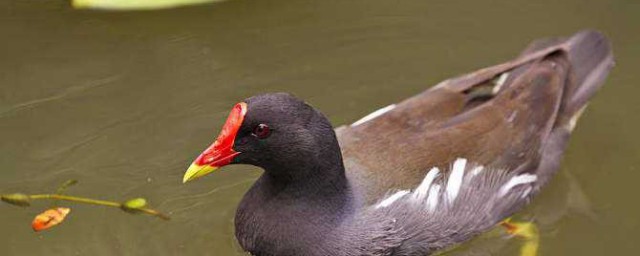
[513, 116]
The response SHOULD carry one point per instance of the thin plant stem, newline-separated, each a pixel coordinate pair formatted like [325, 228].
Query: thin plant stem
[75, 199]
[96, 202]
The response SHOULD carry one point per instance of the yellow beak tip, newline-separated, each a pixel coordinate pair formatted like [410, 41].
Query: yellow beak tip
[196, 171]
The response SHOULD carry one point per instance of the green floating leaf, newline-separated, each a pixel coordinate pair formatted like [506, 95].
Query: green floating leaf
[18, 199]
[124, 5]
[134, 205]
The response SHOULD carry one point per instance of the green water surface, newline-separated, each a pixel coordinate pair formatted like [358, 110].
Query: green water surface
[123, 102]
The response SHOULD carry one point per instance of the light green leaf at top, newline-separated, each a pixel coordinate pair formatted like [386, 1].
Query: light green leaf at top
[124, 5]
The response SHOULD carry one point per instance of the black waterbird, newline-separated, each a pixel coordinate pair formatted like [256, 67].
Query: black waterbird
[415, 177]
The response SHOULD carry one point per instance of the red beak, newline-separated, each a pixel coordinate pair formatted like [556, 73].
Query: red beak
[221, 152]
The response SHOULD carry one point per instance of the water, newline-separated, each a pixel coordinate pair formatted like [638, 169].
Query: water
[123, 102]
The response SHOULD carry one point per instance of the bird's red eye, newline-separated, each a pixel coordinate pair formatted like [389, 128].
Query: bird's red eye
[262, 131]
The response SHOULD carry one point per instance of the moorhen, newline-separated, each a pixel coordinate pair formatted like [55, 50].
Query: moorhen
[415, 177]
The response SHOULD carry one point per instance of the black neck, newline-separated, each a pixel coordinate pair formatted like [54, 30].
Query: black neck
[288, 208]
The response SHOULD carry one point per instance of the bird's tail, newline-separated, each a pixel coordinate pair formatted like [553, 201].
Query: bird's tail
[590, 60]
[590, 57]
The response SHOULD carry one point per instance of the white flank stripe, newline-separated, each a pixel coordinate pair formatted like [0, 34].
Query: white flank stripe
[389, 200]
[500, 82]
[373, 115]
[515, 181]
[455, 179]
[432, 199]
[421, 192]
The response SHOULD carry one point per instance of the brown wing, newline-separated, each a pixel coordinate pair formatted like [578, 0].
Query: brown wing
[505, 127]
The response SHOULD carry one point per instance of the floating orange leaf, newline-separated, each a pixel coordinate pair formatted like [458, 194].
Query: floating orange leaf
[49, 218]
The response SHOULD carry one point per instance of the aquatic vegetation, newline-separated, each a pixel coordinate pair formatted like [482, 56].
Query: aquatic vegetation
[56, 215]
